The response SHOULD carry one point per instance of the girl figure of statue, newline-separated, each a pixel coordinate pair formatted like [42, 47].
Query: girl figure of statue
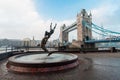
[46, 37]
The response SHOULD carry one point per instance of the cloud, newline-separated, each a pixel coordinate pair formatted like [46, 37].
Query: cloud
[19, 19]
[107, 14]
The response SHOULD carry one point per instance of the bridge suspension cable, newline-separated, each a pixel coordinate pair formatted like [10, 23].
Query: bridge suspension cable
[101, 29]
[105, 29]
[95, 31]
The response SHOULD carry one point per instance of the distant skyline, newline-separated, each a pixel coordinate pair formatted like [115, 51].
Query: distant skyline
[27, 18]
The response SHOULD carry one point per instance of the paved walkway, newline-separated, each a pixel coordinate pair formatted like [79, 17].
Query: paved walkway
[103, 66]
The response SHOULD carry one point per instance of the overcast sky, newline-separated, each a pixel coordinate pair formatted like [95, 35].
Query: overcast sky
[27, 18]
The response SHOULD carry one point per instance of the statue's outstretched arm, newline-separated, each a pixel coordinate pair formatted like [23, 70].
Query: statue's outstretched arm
[51, 26]
[55, 26]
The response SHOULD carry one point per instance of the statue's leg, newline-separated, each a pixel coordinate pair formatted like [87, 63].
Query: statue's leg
[44, 48]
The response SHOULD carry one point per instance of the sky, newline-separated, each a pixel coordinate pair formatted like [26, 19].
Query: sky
[21, 19]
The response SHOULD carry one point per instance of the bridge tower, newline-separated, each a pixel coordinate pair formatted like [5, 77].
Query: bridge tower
[63, 34]
[83, 32]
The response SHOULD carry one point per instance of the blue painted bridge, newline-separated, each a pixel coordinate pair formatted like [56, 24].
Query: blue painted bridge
[101, 41]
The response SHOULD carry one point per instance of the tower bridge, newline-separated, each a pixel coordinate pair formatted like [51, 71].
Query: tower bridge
[70, 28]
[85, 27]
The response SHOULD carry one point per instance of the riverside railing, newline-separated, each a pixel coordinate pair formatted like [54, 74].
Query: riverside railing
[7, 49]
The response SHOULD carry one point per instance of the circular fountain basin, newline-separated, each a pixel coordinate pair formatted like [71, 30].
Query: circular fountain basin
[41, 62]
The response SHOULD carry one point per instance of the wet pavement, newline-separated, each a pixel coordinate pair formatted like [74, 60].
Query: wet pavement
[95, 66]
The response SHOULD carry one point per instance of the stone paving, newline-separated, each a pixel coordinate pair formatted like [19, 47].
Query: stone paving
[94, 66]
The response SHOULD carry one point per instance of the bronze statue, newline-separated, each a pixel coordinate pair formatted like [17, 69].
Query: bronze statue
[46, 37]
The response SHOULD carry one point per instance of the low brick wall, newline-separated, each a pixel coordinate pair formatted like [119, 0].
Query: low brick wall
[5, 55]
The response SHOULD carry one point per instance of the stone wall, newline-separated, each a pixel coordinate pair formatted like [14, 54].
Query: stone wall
[5, 55]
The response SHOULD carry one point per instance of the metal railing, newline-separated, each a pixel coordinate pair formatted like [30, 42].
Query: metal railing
[7, 49]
